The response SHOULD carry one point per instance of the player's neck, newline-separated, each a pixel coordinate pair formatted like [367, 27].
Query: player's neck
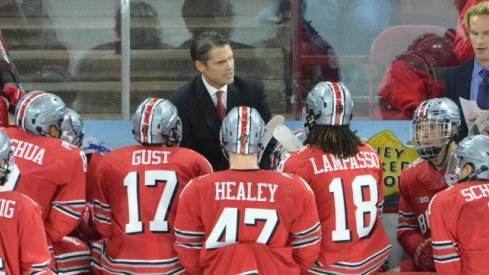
[241, 162]
[441, 161]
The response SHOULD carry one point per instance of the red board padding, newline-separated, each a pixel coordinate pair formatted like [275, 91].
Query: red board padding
[391, 210]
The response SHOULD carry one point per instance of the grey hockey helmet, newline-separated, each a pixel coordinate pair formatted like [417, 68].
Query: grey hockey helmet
[156, 122]
[431, 127]
[37, 111]
[328, 103]
[473, 150]
[6, 157]
[72, 129]
[242, 130]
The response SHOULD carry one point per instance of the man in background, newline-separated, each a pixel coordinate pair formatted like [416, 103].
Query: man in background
[470, 80]
[218, 15]
[203, 102]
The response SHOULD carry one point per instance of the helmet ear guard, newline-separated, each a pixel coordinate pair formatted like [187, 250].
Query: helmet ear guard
[173, 137]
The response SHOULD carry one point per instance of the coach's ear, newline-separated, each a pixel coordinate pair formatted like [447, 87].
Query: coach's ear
[200, 66]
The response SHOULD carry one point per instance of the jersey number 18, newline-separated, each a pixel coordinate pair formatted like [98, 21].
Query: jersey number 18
[363, 208]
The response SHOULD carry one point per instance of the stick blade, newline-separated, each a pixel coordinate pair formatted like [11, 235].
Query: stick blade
[268, 134]
[286, 137]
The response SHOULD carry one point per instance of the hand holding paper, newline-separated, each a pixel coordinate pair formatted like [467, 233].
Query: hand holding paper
[481, 125]
[470, 110]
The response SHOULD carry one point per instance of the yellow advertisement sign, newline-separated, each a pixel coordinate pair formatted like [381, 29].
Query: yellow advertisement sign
[394, 156]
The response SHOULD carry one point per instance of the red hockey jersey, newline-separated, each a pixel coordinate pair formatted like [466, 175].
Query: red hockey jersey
[52, 173]
[135, 201]
[418, 183]
[23, 244]
[247, 222]
[459, 218]
[95, 158]
[350, 196]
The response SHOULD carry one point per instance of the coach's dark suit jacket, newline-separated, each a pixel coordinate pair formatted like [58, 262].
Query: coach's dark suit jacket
[458, 85]
[199, 117]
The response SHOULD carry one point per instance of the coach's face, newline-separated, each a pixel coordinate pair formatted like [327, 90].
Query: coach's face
[219, 69]
[479, 37]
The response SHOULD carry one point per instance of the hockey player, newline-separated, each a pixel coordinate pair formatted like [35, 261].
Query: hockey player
[245, 220]
[459, 215]
[346, 176]
[73, 132]
[136, 194]
[433, 128]
[52, 173]
[23, 244]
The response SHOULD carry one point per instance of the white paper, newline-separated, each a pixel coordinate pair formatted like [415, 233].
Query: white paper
[469, 108]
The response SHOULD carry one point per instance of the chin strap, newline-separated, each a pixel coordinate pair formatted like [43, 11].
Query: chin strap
[171, 139]
[309, 124]
[452, 139]
[445, 156]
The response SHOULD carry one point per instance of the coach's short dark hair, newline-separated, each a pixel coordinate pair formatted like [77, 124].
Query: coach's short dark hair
[202, 44]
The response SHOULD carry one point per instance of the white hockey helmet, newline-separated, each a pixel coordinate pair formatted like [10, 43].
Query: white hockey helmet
[473, 150]
[156, 122]
[37, 111]
[242, 130]
[328, 103]
[72, 129]
[431, 127]
[6, 156]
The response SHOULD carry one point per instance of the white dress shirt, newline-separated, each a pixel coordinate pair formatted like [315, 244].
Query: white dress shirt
[212, 92]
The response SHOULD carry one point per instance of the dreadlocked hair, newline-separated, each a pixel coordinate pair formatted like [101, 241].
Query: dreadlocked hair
[338, 140]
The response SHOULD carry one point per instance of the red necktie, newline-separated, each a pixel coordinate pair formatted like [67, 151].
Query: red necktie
[221, 110]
